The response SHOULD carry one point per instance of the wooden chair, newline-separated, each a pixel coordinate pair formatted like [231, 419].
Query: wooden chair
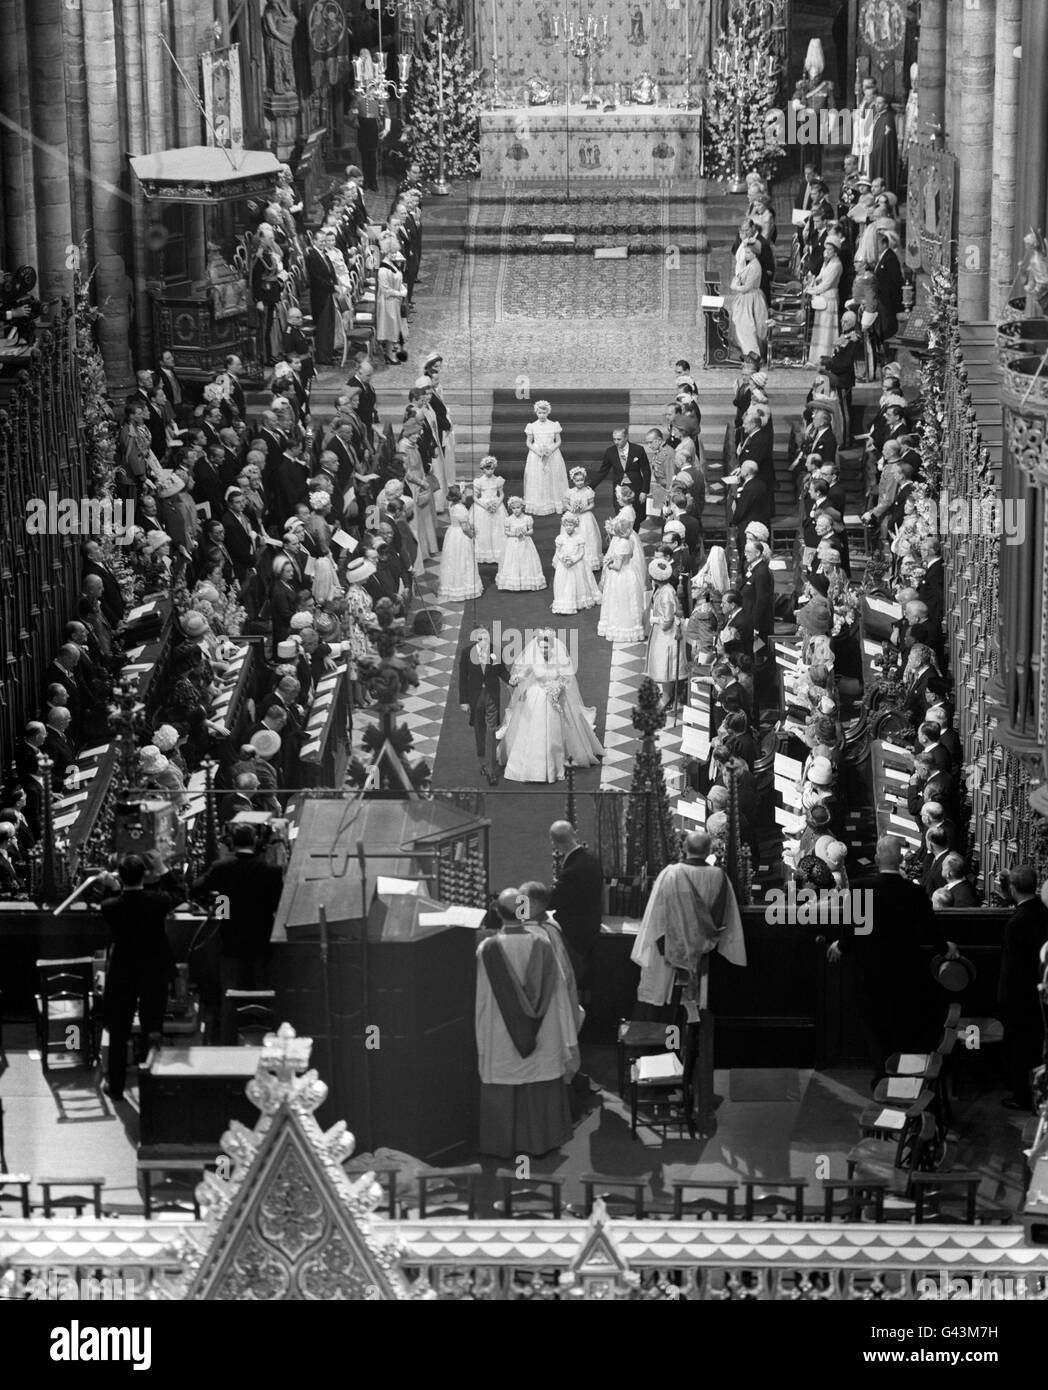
[21, 1181]
[448, 1192]
[65, 1002]
[625, 1196]
[859, 1195]
[760, 1194]
[524, 1198]
[636, 1037]
[934, 1198]
[177, 1179]
[887, 1122]
[910, 1073]
[703, 1207]
[895, 1161]
[77, 1201]
[662, 1091]
[248, 1015]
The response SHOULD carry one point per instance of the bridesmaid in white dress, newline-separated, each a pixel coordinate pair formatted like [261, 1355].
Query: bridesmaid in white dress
[520, 568]
[574, 587]
[459, 577]
[545, 475]
[628, 512]
[622, 599]
[489, 512]
[580, 500]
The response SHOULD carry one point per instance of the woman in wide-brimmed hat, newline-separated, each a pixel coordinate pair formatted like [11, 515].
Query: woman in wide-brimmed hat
[667, 658]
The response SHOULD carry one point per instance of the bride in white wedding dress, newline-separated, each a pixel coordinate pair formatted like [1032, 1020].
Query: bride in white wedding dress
[546, 720]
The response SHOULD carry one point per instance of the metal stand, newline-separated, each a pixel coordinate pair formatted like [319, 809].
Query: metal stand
[738, 182]
[495, 102]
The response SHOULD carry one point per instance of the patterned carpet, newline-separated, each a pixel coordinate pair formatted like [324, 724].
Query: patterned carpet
[648, 223]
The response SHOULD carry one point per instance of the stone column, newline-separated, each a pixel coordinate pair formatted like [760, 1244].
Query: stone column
[931, 67]
[954, 55]
[1005, 132]
[54, 228]
[1032, 151]
[76, 120]
[16, 193]
[136, 100]
[110, 204]
[975, 163]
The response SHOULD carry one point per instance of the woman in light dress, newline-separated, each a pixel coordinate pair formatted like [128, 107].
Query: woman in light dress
[748, 307]
[545, 474]
[459, 577]
[667, 660]
[390, 293]
[622, 597]
[420, 404]
[325, 583]
[628, 512]
[520, 568]
[417, 479]
[432, 367]
[546, 721]
[580, 501]
[823, 291]
[574, 587]
[489, 512]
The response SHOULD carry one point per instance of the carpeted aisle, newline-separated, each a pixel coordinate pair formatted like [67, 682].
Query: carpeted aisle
[521, 814]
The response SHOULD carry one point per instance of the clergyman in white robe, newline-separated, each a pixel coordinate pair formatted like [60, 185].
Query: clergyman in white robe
[692, 911]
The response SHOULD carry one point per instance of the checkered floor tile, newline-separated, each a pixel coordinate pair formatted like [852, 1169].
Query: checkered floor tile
[424, 707]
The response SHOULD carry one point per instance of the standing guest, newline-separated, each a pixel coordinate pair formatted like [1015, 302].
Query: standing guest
[890, 972]
[758, 590]
[626, 462]
[169, 380]
[667, 660]
[250, 888]
[113, 605]
[884, 144]
[956, 890]
[367, 408]
[750, 503]
[527, 1040]
[823, 291]
[887, 274]
[141, 965]
[748, 305]
[663, 461]
[389, 298]
[1018, 1001]
[577, 899]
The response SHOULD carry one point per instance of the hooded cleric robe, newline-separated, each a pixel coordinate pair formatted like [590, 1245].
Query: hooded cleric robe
[527, 1045]
[692, 910]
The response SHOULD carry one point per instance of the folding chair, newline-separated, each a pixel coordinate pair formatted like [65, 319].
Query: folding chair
[65, 1002]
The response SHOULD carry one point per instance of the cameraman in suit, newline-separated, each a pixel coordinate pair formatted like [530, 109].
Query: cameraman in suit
[577, 899]
[629, 461]
[480, 696]
[141, 965]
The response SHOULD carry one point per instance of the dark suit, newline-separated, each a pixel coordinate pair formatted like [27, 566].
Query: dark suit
[480, 687]
[931, 875]
[113, 605]
[61, 752]
[140, 969]
[891, 979]
[758, 593]
[929, 591]
[367, 409]
[637, 472]
[577, 902]
[251, 888]
[962, 894]
[759, 446]
[825, 445]
[751, 504]
[887, 274]
[1017, 1003]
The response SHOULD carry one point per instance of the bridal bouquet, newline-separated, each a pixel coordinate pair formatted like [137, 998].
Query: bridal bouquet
[555, 694]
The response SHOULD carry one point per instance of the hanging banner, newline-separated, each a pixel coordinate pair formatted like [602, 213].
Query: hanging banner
[329, 36]
[222, 106]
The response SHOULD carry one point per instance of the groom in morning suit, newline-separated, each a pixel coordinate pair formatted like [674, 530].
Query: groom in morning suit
[629, 461]
[480, 696]
[577, 900]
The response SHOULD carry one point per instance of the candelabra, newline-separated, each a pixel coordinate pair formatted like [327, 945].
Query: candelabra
[587, 39]
[370, 80]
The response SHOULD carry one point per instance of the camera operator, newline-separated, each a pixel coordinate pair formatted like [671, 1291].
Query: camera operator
[141, 965]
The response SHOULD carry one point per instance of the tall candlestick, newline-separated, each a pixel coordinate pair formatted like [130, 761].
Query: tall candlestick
[440, 67]
[494, 35]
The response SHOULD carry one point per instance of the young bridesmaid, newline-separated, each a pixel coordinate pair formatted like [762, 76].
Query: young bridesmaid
[489, 512]
[579, 500]
[459, 577]
[574, 587]
[520, 567]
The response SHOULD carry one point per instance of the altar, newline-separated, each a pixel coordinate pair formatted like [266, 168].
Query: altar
[576, 141]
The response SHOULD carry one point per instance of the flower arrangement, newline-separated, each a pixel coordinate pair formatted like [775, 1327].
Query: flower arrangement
[555, 695]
